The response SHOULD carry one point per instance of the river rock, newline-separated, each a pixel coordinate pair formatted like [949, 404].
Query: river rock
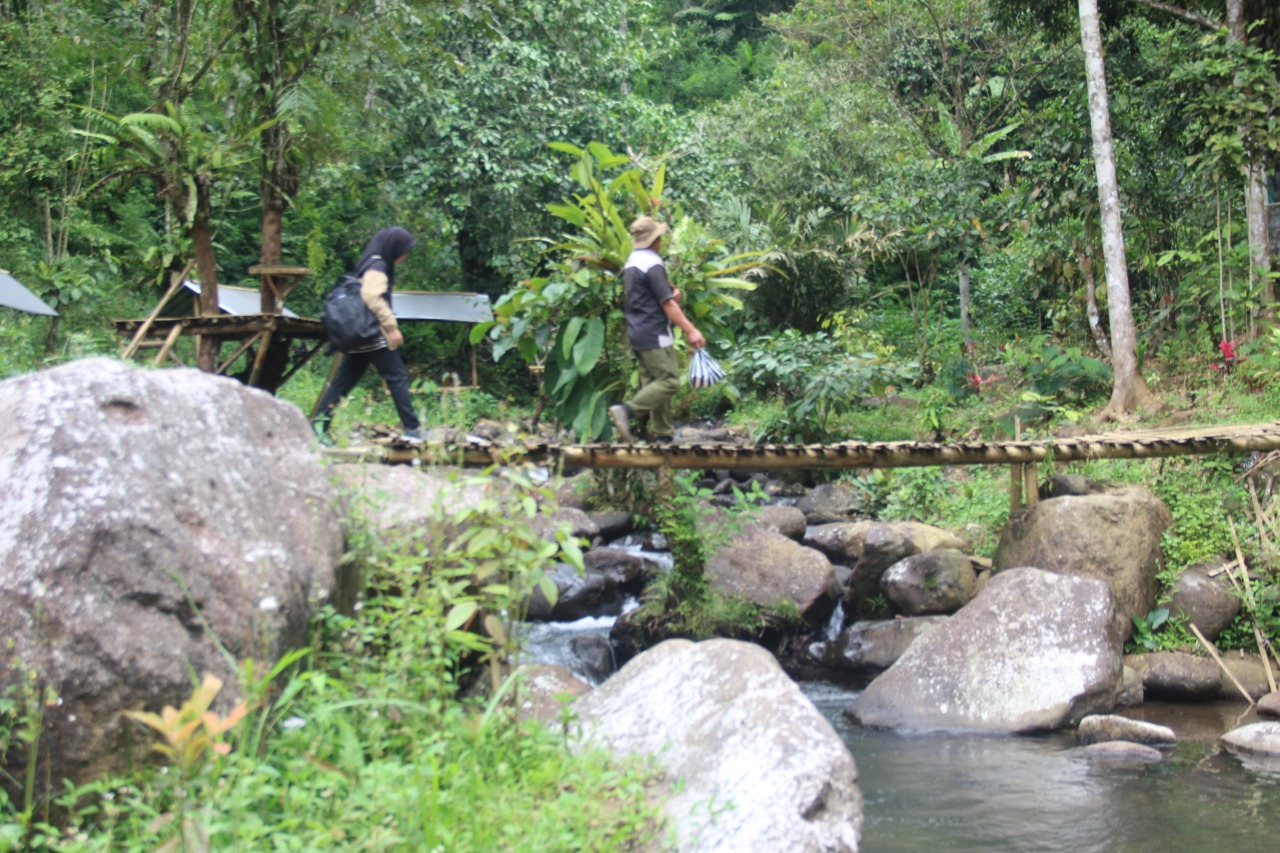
[595, 654]
[830, 502]
[576, 490]
[579, 594]
[755, 765]
[403, 501]
[543, 690]
[767, 568]
[1131, 693]
[841, 541]
[1257, 738]
[1033, 651]
[612, 525]
[873, 646]
[1206, 602]
[1065, 485]
[1113, 536]
[1249, 671]
[1098, 728]
[1269, 705]
[787, 520]
[940, 581]
[577, 523]
[627, 570]
[153, 524]
[1176, 675]
[885, 544]
[1121, 753]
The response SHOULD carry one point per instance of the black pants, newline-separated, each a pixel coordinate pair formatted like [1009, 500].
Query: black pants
[392, 370]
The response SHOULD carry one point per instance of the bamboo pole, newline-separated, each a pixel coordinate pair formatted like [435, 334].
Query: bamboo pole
[1214, 653]
[222, 368]
[132, 349]
[1252, 604]
[169, 341]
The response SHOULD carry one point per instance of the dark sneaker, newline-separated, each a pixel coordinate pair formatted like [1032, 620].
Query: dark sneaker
[413, 436]
[621, 417]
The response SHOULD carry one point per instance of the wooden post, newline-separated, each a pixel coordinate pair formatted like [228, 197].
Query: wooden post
[1017, 476]
[1031, 489]
[258, 361]
[169, 341]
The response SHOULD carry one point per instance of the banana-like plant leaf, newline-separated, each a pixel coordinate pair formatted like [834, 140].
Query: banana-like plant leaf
[589, 346]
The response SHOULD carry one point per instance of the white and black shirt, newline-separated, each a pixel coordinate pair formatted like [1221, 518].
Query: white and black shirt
[645, 288]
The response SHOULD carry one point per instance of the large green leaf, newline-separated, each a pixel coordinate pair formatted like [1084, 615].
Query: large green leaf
[589, 346]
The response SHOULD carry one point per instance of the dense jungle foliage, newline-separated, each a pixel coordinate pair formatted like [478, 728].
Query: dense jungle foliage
[886, 220]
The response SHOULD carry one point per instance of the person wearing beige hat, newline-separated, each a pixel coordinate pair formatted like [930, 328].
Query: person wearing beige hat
[652, 307]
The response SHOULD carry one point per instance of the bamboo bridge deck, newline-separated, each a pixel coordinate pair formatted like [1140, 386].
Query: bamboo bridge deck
[1136, 444]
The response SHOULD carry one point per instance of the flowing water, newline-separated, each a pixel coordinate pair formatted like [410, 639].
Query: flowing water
[965, 792]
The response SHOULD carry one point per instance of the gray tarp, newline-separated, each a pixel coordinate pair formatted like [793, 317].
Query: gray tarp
[237, 300]
[14, 295]
[452, 307]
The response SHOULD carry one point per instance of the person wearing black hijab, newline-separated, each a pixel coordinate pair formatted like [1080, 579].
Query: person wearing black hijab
[377, 273]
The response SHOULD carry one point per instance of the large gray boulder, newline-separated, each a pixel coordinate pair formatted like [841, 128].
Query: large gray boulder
[756, 766]
[767, 568]
[1113, 536]
[1033, 651]
[148, 518]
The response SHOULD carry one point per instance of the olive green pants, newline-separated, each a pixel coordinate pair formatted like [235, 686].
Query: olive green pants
[659, 382]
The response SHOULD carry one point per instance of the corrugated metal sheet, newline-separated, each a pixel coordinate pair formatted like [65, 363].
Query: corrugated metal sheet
[238, 300]
[14, 295]
[450, 307]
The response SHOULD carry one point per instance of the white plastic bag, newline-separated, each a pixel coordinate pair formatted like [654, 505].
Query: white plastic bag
[703, 370]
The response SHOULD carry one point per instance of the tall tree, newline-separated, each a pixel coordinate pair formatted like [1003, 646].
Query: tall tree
[1129, 392]
[279, 44]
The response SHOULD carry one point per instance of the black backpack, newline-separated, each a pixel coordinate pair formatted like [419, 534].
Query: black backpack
[348, 322]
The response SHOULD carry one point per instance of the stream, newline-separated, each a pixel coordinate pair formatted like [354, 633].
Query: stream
[969, 792]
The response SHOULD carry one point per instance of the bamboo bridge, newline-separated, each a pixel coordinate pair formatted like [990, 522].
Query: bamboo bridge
[1022, 455]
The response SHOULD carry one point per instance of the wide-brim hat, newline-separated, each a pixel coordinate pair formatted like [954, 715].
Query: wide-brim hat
[645, 230]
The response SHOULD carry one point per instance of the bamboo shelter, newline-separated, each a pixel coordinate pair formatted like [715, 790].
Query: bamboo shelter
[253, 319]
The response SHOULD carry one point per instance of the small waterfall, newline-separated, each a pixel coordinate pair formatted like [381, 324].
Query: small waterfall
[835, 624]
[550, 642]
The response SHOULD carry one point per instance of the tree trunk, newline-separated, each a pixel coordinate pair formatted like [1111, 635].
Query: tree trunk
[272, 219]
[1129, 392]
[1255, 190]
[1091, 302]
[964, 306]
[207, 267]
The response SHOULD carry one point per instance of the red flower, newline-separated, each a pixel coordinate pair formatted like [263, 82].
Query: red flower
[1228, 350]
